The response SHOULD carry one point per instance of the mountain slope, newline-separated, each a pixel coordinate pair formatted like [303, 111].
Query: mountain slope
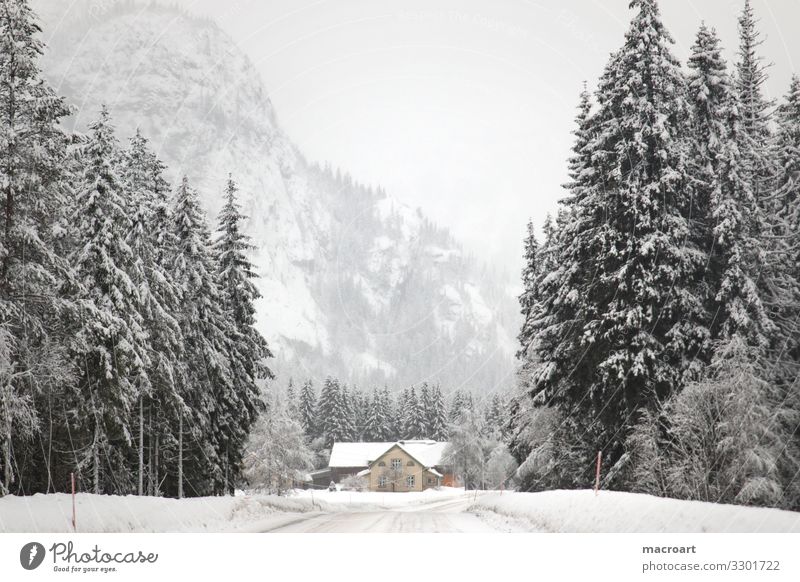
[354, 283]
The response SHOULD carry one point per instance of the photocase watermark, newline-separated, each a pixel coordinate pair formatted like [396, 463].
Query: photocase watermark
[31, 555]
[66, 558]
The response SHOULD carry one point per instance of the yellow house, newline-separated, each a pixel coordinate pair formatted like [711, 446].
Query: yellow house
[402, 468]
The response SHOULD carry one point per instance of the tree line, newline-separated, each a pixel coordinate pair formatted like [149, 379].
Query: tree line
[128, 354]
[661, 307]
[340, 413]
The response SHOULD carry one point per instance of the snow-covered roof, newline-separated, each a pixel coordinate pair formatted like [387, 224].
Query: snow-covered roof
[434, 472]
[428, 453]
[356, 454]
[363, 473]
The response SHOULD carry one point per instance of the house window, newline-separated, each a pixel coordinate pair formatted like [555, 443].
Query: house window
[397, 464]
[382, 481]
[410, 464]
[381, 464]
[430, 481]
[410, 481]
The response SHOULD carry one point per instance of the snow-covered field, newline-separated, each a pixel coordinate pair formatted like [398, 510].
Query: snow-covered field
[612, 511]
[342, 511]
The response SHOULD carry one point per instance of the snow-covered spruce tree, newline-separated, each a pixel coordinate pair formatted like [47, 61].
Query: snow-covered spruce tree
[413, 421]
[247, 348]
[35, 179]
[292, 407]
[307, 403]
[437, 417]
[727, 207]
[778, 286]
[461, 402]
[425, 405]
[347, 427]
[401, 410]
[495, 417]
[392, 415]
[787, 148]
[112, 349]
[529, 295]
[359, 410]
[787, 188]
[624, 320]
[755, 108]
[209, 419]
[787, 157]
[548, 250]
[333, 416]
[151, 241]
[377, 426]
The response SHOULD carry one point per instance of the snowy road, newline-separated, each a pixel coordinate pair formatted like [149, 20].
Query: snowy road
[436, 517]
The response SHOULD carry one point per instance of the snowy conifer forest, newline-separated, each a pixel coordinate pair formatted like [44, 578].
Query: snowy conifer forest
[128, 353]
[660, 304]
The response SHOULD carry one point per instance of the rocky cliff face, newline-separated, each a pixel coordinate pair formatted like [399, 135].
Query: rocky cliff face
[354, 283]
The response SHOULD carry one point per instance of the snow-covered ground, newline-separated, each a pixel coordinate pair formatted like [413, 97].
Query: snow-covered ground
[368, 499]
[114, 513]
[445, 510]
[612, 511]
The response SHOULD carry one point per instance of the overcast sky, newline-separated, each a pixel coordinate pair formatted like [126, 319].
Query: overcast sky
[461, 107]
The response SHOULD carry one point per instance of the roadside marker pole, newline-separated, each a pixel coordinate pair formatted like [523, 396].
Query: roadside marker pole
[597, 473]
[74, 521]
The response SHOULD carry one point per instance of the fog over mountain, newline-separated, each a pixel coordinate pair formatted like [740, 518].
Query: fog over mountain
[354, 282]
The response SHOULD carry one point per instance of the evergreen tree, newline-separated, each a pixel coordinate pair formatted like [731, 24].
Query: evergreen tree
[359, 405]
[333, 413]
[547, 252]
[751, 75]
[437, 417]
[307, 409]
[628, 319]
[36, 172]
[494, 420]
[736, 222]
[112, 343]
[151, 242]
[292, 407]
[456, 406]
[247, 349]
[778, 287]
[787, 159]
[529, 296]
[401, 410]
[413, 422]
[210, 419]
[392, 415]
[347, 403]
[426, 409]
[377, 422]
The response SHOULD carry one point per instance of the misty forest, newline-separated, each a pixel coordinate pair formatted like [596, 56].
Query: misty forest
[659, 305]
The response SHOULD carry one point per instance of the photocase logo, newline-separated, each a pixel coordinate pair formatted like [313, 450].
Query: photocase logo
[31, 555]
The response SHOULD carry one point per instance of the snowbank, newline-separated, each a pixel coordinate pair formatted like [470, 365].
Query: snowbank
[249, 512]
[114, 513]
[612, 511]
